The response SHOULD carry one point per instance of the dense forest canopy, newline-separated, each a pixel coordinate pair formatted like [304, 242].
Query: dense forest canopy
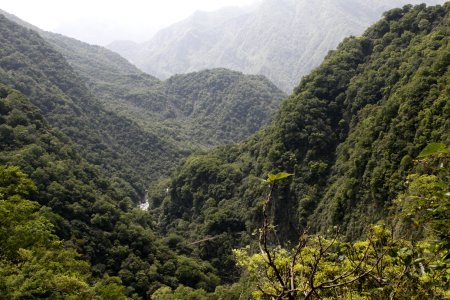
[344, 194]
[201, 109]
[128, 153]
[128, 122]
[90, 212]
[90, 166]
[349, 133]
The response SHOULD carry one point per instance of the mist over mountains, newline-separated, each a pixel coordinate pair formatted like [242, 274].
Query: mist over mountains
[281, 39]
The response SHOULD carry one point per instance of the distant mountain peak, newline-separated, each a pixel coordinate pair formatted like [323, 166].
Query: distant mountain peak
[281, 39]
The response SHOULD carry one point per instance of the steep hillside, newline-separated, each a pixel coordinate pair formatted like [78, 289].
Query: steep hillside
[195, 110]
[91, 166]
[119, 146]
[349, 134]
[90, 62]
[221, 106]
[282, 40]
[124, 119]
[94, 63]
[88, 209]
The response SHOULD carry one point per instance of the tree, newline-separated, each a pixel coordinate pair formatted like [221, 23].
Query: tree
[34, 263]
[381, 266]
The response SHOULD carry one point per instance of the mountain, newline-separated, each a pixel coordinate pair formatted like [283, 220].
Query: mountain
[349, 133]
[197, 110]
[122, 118]
[367, 129]
[280, 39]
[180, 109]
[32, 66]
[91, 166]
[87, 209]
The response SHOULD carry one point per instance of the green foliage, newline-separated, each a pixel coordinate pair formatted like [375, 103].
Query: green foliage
[380, 267]
[130, 156]
[433, 148]
[426, 200]
[181, 293]
[349, 132]
[89, 210]
[383, 266]
[238, 290]
[21, 224]
[272, 178]
[14, 182]
[34, 263]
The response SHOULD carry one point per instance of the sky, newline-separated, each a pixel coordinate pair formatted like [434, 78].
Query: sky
[103, 21]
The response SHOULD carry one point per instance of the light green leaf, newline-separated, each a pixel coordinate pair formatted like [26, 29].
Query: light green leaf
[278, 176]
[433, 148]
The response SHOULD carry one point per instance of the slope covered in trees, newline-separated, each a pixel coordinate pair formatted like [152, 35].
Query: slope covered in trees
[129, 154]
[349, 134]
[49, 188]
[90, 166]
[34, 262]
[280, 39]
[125, 120]
[203, 109]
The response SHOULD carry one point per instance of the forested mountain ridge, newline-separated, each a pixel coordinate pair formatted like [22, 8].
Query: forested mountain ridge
[282, 40]
[89, 212]
[349, 134]
[87, 60]
[134, 115]
[91, 166]
[220, 106]
[94, 63]
[123, 149]
[181, 108]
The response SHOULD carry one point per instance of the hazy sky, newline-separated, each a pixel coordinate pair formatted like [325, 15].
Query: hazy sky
[102, 21]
